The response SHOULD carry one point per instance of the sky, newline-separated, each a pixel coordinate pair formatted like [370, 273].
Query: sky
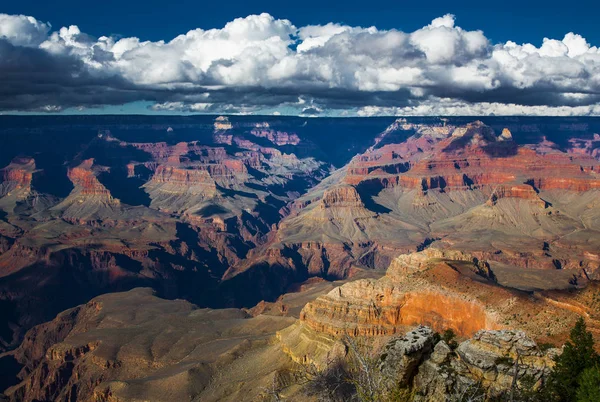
[314, 58]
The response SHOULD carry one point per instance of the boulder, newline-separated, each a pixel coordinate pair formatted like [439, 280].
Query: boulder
[402, 356]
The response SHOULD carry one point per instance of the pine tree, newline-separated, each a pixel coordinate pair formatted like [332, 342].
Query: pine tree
[578, 355]
[589, 385]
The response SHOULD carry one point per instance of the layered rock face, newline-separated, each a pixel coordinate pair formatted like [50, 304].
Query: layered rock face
[276, 137]
[84, 179]
[442, 289]
[470, 157]
[340, 197]
[464, 187]
[222, 134]
[370, 308]
[173, 188]
[17, 177]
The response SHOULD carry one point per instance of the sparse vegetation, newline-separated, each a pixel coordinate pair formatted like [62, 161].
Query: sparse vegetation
[504, 360]
[449, 336]
[545, 346]
[575, 378]
[472, 393]
[355, 378]
[331, 384]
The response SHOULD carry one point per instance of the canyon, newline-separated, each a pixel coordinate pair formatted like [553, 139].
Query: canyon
[220, 242]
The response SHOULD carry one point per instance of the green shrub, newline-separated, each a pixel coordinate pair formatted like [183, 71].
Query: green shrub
[448, 337]
[545, 346]
[589, 385]
[578, 355]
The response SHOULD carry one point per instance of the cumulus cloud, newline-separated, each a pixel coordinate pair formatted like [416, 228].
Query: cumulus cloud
[452, 107]
[262, 63]
[22, 30]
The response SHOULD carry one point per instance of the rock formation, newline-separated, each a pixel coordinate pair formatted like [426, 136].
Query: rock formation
[486, 362]
[16, 178]
[276, 137]
[402, 356]
[103, 213]
[444, 290]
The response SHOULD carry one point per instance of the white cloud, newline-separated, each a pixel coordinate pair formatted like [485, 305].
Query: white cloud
[445, 21]
[442, 42]
[21, 30]
[259, 61]
[451, 107]
[314, 36]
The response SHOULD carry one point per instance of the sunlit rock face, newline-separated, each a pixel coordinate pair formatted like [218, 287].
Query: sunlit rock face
[406, 296]
[276, 137]
[443, 289]
[16, 178]
[361, 309]
[85, 182]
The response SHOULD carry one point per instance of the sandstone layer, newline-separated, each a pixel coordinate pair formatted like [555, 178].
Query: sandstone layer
[445, 290]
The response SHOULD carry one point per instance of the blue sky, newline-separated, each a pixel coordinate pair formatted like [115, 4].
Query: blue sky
[517, 20]
[310, 57]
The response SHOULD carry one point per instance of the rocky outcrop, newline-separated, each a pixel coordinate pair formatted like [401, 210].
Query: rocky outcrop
[522, 191]
[279, 138]
[402, 356]
[222, 133]
[488, 363]
[506, 135]
[85, 181]
[222, 123]
[342, 196]
[180, 181]
[406, 264]
[90, 200]
[16, 178]
[485, 365]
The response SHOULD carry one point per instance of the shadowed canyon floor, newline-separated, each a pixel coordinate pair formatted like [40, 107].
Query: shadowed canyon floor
[453, 223]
